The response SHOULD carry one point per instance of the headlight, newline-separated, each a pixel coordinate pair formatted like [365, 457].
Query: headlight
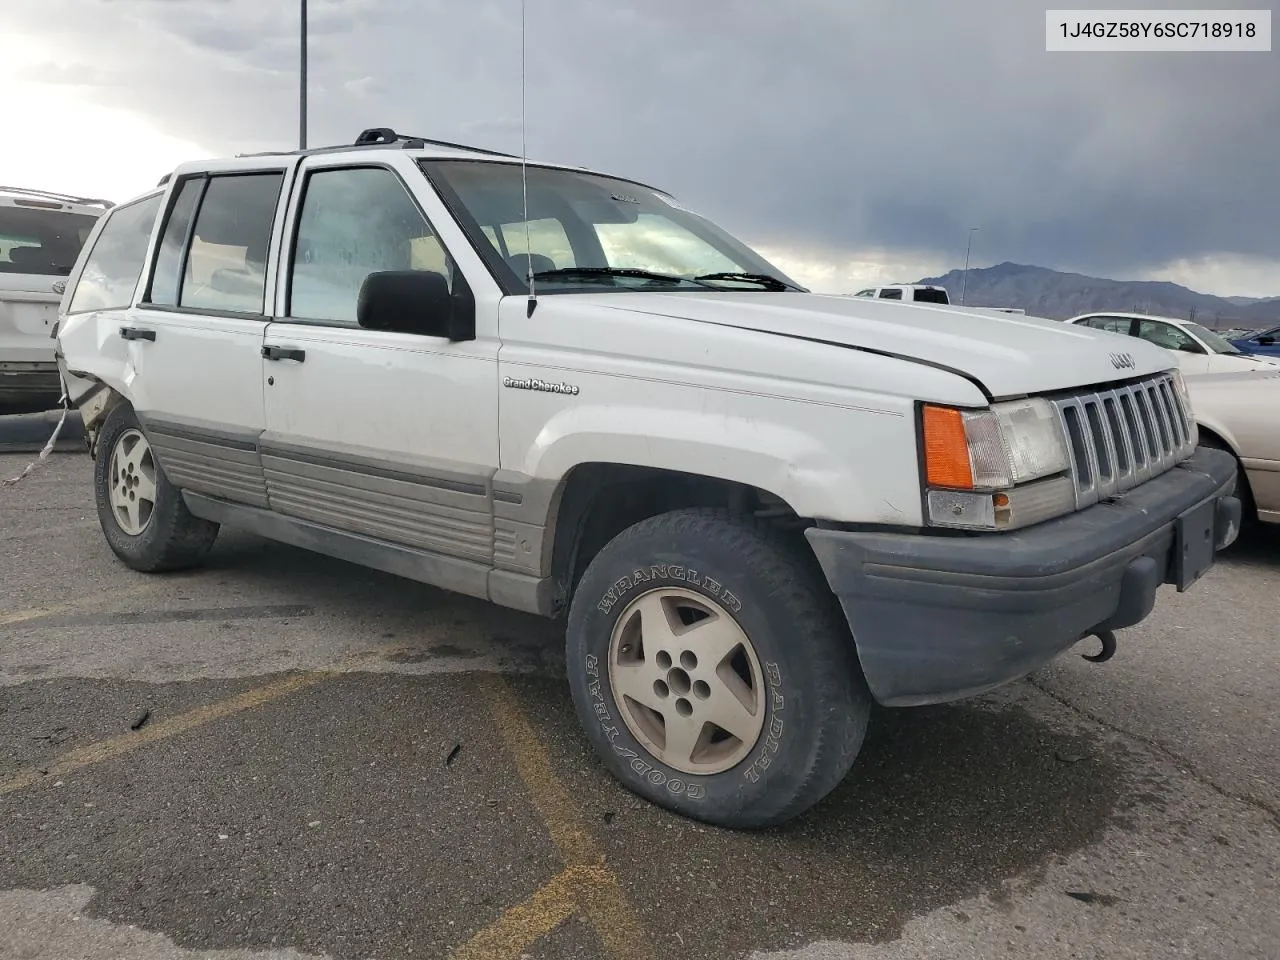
[995, 469]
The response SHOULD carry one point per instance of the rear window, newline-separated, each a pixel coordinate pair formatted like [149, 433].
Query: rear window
[114, 265]
[38, 241]
[931, 296]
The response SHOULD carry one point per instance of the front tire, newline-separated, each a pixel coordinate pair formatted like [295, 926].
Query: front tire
[142, 514]
[713, 671]
[1248, 508]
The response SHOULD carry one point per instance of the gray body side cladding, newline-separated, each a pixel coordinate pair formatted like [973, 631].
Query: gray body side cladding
[518, 591]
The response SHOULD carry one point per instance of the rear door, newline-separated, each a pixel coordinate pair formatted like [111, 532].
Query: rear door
[195, 337]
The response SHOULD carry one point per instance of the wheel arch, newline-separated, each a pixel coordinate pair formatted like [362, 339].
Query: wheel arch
[597, 500]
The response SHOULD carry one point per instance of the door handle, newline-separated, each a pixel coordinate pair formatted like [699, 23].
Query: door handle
[284, 353]
[136, 333]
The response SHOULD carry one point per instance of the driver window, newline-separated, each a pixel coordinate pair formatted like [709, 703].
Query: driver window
[1164, 335]
[355, 222]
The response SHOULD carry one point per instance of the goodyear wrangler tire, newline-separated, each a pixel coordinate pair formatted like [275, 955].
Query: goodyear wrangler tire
[713, 671]
[142, 515]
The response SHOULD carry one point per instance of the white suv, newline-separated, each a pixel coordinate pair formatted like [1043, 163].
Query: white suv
[758, 510]
[41, 235]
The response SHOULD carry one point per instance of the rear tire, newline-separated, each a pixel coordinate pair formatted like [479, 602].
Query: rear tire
[143, 516]
[713, 670]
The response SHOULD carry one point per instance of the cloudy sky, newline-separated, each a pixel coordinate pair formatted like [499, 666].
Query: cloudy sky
[853, 142]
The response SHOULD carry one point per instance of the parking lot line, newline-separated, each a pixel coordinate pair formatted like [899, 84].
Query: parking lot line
[596, 889]
[524, 924]
[97, 600]
[117, 746]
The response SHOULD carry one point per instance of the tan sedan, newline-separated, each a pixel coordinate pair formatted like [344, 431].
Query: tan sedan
[1240, 412]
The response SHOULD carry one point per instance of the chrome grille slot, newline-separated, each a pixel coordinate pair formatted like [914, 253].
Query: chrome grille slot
[1124, 436]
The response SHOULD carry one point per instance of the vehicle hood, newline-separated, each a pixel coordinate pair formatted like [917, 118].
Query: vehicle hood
[1250, 361]
[1008, 354]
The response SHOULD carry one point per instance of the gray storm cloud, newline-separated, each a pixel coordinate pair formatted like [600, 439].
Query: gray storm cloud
[882, 124]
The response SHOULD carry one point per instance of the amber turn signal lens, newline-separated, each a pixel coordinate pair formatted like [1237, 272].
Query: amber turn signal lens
[946, 449]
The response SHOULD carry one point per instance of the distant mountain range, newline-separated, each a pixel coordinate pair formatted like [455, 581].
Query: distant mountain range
[1049, 293]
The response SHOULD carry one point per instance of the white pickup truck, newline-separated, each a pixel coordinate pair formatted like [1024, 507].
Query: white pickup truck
[907, 292]
[924, 293]
[757, 510]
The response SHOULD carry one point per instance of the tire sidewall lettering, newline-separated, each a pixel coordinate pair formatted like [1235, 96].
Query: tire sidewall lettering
[667, 574]
[754, 769]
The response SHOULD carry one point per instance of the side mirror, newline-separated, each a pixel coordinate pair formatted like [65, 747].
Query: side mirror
[416, 301]
[1191, 346]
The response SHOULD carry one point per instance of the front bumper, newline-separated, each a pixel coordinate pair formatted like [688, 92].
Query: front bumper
[939, 618]
[32, 387]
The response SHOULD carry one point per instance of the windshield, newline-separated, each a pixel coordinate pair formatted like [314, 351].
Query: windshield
[46, 242]
[1211, 340]
[589, 233]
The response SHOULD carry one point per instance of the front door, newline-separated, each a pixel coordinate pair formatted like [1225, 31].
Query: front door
[195, 337]
[389, 435]
[1193, 358]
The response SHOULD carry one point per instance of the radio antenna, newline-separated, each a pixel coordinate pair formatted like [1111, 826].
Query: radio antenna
[524, 164]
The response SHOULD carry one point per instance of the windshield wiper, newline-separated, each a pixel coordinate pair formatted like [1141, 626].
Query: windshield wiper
[589, 273]
[772, 283]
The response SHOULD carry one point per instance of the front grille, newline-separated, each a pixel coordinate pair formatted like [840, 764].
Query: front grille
[1124, 436]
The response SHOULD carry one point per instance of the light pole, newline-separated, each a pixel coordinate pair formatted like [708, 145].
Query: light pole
[964, 283]
[302, 80]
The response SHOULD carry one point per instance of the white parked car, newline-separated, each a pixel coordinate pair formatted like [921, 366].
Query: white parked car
[757, 509]
[1198, 349]
[40, 237]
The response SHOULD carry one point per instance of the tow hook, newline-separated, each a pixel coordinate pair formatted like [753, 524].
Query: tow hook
[1108, 639]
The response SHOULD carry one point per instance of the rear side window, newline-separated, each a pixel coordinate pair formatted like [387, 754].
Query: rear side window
[931, 296]
[1110, 324]
[890, 294]
[37, 240]
[213, 253]
[114, 265]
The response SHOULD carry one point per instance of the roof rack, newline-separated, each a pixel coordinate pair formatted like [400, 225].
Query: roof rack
[50, 195]
[382, 137]
[385, 136]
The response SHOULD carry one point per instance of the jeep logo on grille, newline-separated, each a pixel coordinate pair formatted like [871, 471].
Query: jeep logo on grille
[1122, 361]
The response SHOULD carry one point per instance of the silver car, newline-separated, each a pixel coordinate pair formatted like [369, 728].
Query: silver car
[1237, 412]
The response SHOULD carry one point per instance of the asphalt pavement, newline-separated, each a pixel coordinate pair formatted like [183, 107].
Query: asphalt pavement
[282, 756]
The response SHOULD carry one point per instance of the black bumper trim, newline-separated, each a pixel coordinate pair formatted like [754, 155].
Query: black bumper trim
[939, 618]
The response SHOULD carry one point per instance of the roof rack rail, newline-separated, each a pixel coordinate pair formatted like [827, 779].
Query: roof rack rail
[50, 195]
[379, 137]
[385, 136]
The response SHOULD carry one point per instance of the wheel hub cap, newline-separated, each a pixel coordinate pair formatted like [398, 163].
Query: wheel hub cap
[687, 681]
[132, 482]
